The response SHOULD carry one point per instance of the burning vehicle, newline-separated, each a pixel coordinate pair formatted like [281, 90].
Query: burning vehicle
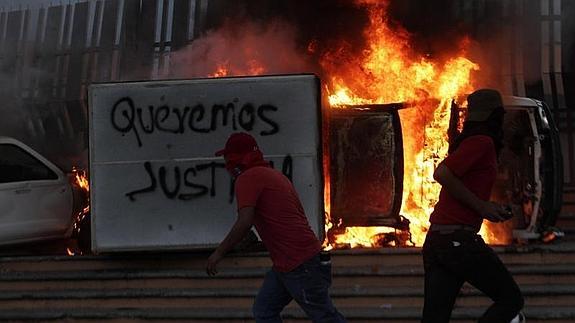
[365, 180]
[38, 201]
[367, 185]
[377, 162]
[530, 175]
[365, 172]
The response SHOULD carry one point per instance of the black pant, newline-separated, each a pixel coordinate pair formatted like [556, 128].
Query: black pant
[462, 256]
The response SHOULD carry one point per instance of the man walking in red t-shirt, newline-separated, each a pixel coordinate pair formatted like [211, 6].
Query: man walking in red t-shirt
[453, 252]
[268, 200]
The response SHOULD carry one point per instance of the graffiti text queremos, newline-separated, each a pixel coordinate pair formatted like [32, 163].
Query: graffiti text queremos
[128, 117]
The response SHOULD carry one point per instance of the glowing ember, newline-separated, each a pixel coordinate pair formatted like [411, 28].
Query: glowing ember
[253, 67]
[222, 71]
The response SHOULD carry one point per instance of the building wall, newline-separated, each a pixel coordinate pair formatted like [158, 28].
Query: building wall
[532, 53]
[51, 50]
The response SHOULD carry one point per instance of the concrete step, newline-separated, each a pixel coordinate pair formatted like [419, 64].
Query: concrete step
[535, 295]
[195, 260]
[369, 286]
[233, 315]
[392, 276]
[558, 253]
[567, 224]
[568, 209]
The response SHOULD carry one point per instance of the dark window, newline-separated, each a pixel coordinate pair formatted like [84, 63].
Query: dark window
[16, 165]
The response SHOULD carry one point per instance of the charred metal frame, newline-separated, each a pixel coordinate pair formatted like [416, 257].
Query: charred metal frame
[393, 218]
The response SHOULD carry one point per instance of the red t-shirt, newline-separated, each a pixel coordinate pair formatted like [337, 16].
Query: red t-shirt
[280, 219]
[475, 164]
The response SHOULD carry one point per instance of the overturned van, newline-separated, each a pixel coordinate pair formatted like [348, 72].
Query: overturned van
[366, 168]
[156, 185]
[530, 174]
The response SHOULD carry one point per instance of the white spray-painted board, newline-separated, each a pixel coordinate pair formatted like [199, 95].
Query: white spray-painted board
[155, 182]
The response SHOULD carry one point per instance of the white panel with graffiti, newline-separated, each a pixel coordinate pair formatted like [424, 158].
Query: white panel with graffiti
[155, 182]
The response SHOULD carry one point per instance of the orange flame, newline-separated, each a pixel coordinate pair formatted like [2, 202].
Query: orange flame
[81, 179]
[221, 71]
[388, 71]
[253, 67]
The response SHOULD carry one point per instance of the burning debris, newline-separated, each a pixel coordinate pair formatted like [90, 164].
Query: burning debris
[79, 179]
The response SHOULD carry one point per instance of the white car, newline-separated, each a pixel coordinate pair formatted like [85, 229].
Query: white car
[36, 197]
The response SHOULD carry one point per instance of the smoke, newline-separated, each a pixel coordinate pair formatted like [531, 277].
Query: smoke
[435, 28]
[286, 36]
[263, 37]
[250, 48]
[503, 37]
[11, 110]
[445, 28]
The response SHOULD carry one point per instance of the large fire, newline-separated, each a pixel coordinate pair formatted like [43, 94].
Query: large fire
[388, 70]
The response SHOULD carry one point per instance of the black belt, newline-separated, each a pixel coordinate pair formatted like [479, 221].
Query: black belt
[450, 228]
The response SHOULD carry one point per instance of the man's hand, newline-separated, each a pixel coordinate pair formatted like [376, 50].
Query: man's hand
[213, 260]
[493, 212]
[237, 233]
[487, 210]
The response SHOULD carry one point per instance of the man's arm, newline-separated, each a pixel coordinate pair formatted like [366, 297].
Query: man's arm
[242, 226]
[460, 192]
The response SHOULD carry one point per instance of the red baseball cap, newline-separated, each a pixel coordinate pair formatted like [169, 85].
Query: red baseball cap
[239, 143]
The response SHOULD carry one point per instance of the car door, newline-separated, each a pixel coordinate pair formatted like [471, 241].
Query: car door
[530, 169]
[366, 166]
[35, 196]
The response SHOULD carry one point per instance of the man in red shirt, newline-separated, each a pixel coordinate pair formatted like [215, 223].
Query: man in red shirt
[268, 200]
[453, 252]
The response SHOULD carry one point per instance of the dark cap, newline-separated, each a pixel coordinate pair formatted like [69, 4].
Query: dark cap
[239, 143]
[481, 103]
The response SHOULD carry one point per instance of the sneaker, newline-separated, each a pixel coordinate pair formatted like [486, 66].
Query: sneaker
[520, 318]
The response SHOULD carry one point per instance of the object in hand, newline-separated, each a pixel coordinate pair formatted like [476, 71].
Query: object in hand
[508, 214]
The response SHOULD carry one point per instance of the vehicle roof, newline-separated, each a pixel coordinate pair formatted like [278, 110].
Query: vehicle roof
[517, 101]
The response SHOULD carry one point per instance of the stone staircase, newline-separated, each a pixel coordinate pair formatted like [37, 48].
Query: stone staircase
[566, 220]
[369, 286]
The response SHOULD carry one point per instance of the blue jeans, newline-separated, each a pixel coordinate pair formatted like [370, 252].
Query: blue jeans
[308, 285]
[454, 258]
